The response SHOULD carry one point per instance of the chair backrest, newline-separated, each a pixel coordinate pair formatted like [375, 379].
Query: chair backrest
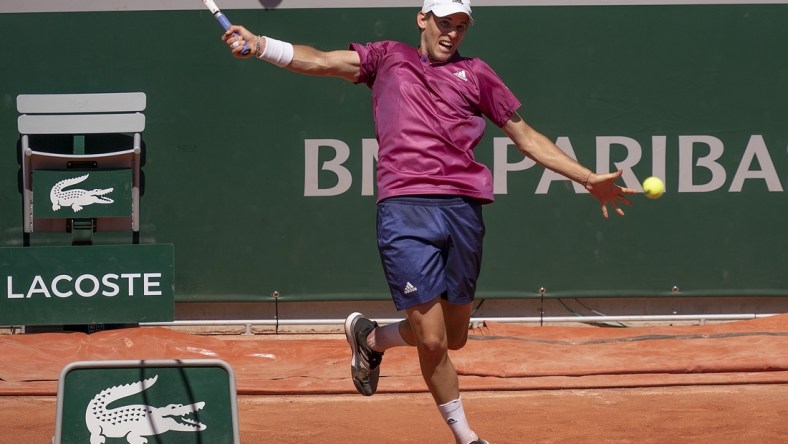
[81, 113]
[78, 115]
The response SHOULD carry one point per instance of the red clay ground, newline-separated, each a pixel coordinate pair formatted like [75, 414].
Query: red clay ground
[710, 414]
[722, 383]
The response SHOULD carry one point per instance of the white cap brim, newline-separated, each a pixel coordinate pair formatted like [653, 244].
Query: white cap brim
[443, 11]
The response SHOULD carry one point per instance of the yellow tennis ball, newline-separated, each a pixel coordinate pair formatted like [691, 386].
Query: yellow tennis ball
[653, 187]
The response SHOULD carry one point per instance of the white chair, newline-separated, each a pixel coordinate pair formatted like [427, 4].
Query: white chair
[77, 115]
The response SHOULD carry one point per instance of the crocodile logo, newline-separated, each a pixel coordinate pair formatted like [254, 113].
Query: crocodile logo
[77, 198]
[134, 422]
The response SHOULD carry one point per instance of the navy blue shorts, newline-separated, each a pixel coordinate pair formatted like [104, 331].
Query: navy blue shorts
[430, 246]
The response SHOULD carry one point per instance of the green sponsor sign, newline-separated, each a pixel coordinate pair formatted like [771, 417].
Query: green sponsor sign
[86, 284]
[179, 401]
[82, 194]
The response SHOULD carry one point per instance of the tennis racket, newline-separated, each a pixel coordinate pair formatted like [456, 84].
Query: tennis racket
[224, 21]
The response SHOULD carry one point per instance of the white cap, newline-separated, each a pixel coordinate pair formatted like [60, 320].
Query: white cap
[442, 8]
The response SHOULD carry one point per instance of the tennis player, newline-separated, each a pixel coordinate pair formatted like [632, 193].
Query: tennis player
[429, 104]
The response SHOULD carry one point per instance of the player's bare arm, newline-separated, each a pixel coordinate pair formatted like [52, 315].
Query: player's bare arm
[539, 148]
[305, 59]
[543, 151]
[342, 63]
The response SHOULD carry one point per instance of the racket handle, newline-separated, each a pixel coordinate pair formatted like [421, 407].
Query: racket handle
[222, 19]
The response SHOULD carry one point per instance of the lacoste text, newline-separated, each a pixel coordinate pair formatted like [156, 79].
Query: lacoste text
[87, 285]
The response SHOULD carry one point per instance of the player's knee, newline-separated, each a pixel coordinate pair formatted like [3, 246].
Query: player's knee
[434, 344]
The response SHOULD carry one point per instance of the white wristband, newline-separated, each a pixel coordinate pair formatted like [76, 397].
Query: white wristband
[277, 52]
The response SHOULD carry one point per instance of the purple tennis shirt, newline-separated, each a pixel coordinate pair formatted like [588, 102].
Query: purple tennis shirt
[429, 118]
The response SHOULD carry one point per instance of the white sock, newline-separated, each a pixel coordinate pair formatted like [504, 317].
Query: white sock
[383, 338]
[454, 415]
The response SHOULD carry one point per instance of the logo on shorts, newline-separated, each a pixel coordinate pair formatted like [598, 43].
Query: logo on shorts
[409, 288]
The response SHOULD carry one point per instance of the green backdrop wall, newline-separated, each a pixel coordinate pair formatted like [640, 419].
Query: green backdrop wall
[697, 94]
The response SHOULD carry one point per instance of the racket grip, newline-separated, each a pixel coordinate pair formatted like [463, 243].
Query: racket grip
[222, 19]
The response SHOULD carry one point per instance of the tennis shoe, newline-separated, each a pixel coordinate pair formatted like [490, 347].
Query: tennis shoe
[479, 441]
[365, 362]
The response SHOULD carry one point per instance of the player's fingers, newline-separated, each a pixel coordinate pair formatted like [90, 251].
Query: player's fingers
[604, 210]
[231, 30]
[623, 199]
[619, 211]
[236, 44]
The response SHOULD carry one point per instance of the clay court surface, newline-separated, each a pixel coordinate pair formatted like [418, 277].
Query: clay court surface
[668, 384]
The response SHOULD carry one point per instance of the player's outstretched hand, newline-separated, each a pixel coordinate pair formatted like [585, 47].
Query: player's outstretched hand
[603, 187]
[237, 42]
